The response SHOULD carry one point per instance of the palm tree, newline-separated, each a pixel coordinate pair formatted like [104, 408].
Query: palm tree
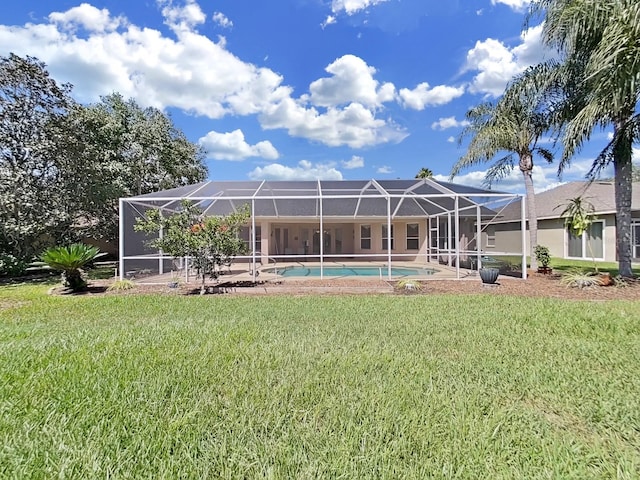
[424, 173]
[599, 41]
[512, 126]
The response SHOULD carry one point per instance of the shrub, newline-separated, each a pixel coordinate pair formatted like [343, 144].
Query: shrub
[70, 260]
[580, 278]
[542, 255]
[409, 285]
[11, 266]
[120, 285]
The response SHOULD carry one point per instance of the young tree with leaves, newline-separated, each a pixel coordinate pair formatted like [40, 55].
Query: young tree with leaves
[210, 241]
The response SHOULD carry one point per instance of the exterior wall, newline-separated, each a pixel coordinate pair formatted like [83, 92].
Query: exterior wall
[299, 231]
[552, 234]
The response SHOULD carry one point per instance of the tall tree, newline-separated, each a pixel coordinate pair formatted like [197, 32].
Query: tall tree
[424, 173]
[600, 44]
[33, 207]
[128, 151]
[511, 127]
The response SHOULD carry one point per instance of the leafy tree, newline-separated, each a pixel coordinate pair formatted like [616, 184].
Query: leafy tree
[63, 166]
[33, 205]
[70, 260]
[600, 44]
[424, 173]
[127, 150]
[210, 241]
[512, 127]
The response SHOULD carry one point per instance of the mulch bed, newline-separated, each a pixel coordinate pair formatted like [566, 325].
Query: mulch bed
[536, 285]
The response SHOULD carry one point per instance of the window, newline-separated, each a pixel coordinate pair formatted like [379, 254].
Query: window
[589, 245]
[245, 235]
[490, 230]
[385, 236]
[365, 237]
[413, 236]
[635, 234]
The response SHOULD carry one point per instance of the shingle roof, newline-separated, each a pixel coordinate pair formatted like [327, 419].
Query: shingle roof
[600, 194]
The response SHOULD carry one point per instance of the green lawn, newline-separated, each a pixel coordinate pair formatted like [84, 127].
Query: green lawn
[355, 387]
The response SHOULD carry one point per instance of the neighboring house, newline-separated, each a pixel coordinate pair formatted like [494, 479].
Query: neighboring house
[314, 221]
[598, 243]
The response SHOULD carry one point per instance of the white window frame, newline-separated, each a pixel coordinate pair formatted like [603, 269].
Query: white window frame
[586, 255]
[415, 238]
[365, 238]
[490, 231]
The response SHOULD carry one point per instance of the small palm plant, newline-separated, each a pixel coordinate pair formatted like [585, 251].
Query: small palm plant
[70, 260]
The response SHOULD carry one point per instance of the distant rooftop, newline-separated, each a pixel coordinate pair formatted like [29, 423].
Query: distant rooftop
[550, 203]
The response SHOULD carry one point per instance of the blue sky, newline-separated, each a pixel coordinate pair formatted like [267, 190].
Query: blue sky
[297, 89]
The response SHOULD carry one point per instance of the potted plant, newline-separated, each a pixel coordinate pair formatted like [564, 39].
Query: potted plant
[489, 275]
[173, 282]
[544, 259]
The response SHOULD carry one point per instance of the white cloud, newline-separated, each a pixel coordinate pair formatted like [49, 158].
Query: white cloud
[497, 64]
[448, 122]
[517, 5]
[222, 20]
[190, 72]
[423, 96]
[354, 126]
[352, 81]
[232, 146]
[305, 170]
[451, 139]
[352, 6]
[88, 17]
[636, 155]
[355, 162]
[197, 75]
[384, 170]
[184, 17]
[330, 20]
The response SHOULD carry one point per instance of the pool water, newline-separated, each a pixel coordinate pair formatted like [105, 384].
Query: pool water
[350, 271]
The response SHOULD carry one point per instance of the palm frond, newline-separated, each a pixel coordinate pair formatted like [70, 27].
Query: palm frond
[499, 170]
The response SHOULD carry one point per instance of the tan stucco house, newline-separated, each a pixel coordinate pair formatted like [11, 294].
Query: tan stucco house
[598, 243]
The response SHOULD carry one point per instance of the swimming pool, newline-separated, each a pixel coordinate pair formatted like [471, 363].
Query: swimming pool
[349, 271]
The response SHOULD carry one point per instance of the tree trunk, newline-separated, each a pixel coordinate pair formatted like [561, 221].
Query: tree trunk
[622, 153]
[526, 167]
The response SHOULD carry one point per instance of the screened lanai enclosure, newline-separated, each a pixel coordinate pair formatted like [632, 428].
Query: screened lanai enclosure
[387, 229]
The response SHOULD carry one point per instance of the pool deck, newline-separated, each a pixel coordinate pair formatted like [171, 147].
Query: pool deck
[267, 274]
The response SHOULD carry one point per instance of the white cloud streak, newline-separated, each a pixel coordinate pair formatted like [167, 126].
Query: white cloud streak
[352, 6]
[232, 146]
[222, 20]
[355, 162]
[424, 96]
[448, 122]
[517, 5]
[305, 170]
